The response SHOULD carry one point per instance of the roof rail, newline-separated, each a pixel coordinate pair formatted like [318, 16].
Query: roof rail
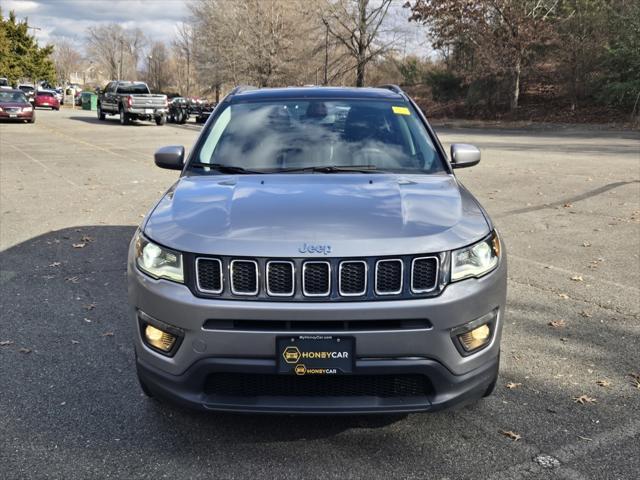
[242, 88]
[392, 87]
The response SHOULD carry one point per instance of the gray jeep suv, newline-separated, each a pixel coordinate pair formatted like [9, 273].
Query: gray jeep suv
[317, 255]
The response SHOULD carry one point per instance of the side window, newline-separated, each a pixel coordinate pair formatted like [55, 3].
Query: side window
[108, 88]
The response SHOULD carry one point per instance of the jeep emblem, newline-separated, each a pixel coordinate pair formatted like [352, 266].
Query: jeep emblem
[308, 248]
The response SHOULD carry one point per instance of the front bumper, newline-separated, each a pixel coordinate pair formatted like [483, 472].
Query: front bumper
[16, 115]
[430, 352]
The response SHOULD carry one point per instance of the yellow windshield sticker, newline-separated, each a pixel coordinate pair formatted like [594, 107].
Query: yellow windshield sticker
[401, 110]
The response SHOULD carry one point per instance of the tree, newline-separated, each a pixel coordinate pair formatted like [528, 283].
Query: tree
[21, 56]
[184, 49]
[158, 72]
[66, 60]
[115, 50]
[500, 36]
[356, 24]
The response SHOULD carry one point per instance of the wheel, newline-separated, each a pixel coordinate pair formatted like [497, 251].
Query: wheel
[184, 117]
[161, 120]
[101, 115]
[32, 119]
[124, 117]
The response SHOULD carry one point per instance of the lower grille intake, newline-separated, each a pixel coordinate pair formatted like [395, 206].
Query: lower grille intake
[253, 385]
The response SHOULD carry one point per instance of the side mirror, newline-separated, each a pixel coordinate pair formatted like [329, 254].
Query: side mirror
[463, 155]
[171, 157]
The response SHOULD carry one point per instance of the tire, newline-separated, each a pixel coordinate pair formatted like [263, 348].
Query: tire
[184, 118]
[161, 120]
[32, 119]
[101, 115]
[124, 117]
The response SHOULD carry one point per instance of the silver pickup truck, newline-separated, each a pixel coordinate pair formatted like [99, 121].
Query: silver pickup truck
[132, 101]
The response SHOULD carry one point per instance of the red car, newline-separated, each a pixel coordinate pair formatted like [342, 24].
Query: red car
[15, 106]
[44, 98]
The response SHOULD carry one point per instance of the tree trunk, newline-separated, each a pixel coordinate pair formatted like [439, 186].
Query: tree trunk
[362, 38]
[217, 93]
[515, 95]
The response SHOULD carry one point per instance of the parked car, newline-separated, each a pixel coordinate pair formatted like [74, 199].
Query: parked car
[28, 90]
[77, 99]
[178, 110]
[132, 101]
[59, 92]
[15, 106]
[4, 84]
[310, 262]
[46, 98]
[201, 109]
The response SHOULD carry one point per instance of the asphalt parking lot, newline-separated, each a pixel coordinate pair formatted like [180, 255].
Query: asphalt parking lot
[567, 201]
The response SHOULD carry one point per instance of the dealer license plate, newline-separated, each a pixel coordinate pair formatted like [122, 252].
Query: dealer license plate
[148, 110]
[315, 355]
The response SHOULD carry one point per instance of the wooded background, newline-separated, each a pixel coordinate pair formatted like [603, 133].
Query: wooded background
[568, 60]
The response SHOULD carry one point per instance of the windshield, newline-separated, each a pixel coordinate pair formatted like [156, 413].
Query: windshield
[12, 97]
[133, 88]
[296, 135]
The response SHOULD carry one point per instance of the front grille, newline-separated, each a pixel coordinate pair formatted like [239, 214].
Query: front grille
[280, 281]
[389, 277]
[353, 278]
[316, 279]
[316, 325]
[424, 274]
[209, 276]
[244, 277]
[253, 385]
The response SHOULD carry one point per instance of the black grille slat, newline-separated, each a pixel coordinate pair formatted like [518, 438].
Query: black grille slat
[353, 278]
[209, 275]
[244, 277]
[389, 277]
[317, 278]
[424, 276]
[254, 385]
[280, 278]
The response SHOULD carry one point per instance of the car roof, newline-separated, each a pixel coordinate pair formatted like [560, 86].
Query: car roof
[249, 93]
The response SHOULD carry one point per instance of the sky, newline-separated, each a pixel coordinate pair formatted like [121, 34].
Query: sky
[69, 19]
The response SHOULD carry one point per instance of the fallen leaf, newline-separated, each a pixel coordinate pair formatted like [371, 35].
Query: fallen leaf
[75, 279]
[78, 245]
[563, 296]
[107, 334]
[564, 339]
[512, 385]
[74, 342]
[91, 306]
[4, 343]
[584, 399]
[584, 438]
[568, 205]
[586, 244]
[63, 403]
[86, 239]
[24, 350]
[603, 383]
[557, 323]
[88, 320]
[55, 264]
[585, 314]
[577, 278]
[512, 435]
[635, 380]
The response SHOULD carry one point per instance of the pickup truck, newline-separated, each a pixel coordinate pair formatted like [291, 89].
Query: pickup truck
[132, 101]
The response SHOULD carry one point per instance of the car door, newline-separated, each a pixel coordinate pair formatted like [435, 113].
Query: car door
[108, 101]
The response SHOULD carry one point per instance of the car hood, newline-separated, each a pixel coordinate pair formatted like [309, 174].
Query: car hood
[353, 214]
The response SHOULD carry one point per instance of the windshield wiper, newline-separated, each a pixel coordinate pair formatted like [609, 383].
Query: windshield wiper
[329, 169]
[223, 168]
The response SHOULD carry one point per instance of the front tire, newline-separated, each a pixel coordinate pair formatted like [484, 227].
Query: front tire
[101, 115]
[161, 120]
[124, 117]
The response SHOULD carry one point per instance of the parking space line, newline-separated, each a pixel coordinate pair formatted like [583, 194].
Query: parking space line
[44, 166]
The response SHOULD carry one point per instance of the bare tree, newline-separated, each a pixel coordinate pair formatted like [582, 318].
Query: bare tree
[356, 24]
[115, 50]
[66, 60]
[184, 49]
[158, 70]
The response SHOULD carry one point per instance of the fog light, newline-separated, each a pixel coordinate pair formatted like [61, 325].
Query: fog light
[476, 338]
[159, 339]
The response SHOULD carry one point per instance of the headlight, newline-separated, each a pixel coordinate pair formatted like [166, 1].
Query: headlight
[27, 109]
[157, 261]
[476, 260]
